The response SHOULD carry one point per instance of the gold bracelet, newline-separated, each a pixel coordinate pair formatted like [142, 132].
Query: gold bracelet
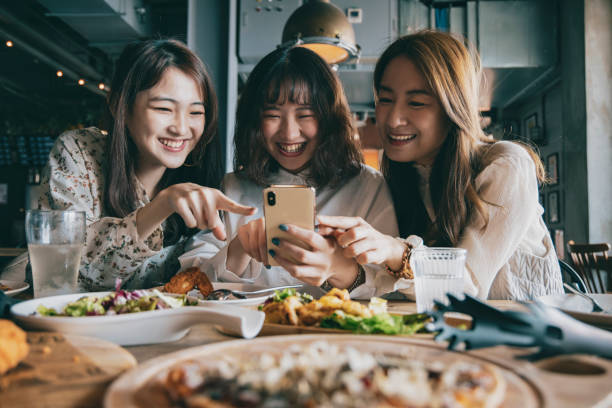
[404, 271]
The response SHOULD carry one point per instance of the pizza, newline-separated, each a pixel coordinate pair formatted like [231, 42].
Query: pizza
[320, 374]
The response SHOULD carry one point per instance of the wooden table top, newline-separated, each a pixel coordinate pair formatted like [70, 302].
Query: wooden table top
[563, 382]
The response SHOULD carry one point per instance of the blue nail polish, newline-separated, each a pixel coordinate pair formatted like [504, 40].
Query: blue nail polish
[275, 241]
[268, 267]
[283, 227]
[272, 253]
[316, 228]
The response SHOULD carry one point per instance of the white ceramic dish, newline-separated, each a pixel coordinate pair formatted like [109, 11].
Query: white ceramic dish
[580, 308]
[157, 326]
[16, 287]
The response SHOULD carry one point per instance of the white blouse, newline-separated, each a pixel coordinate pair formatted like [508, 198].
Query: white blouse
[513, 257]
[365, 195]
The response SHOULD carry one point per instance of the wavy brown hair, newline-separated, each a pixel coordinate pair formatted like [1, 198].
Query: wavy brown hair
[140, 67]
[297, 75]
[453, 74]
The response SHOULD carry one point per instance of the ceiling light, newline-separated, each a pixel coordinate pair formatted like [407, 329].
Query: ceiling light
[59, 73]
[9, 43]
[81, 81]
[101, 86]
[323, 28]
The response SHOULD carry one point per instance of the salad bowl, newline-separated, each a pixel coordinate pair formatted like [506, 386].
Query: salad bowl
[146, 327]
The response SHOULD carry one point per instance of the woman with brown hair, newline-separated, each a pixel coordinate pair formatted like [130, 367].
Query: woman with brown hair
[294, 127]
[452, 185]
[149, 183]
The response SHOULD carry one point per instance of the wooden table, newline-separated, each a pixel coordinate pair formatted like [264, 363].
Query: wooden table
[558, 390]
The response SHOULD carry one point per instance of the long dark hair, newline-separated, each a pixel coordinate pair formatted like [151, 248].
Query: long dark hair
[140, 67]
[452, 73]
[297, 75]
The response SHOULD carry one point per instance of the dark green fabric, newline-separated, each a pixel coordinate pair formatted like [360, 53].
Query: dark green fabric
[5, 305]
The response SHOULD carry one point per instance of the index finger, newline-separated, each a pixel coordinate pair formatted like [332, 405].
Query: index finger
[307, 236]
[338, 221]
[227, 204]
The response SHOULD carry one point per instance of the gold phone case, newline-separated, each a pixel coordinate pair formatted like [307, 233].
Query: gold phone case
[287, 204]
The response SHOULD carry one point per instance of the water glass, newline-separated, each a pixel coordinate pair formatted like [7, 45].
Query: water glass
[55, 243]
[437, 271]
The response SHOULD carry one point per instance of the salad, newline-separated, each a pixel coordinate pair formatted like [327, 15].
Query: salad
[118, 302]
[336, 310]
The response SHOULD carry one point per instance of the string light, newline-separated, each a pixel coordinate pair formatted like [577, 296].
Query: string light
[9, 43]
[81, 81]
[101, 86]
[59, 73]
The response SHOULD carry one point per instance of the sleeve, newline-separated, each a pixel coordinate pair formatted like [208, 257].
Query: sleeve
[510, 190]
[113, 247]
[381, 216]
[210, 254]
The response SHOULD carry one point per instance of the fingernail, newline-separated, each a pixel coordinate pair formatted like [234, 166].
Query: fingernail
[272, 253]
[283, 227]
[316, 228]
[268, 267]
[275, 241]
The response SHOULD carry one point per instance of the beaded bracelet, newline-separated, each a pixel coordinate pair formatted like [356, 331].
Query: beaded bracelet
[405, 271]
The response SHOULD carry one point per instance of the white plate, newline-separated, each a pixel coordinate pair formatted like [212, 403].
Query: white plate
[16, 287]
[157, 326]
[580, 308]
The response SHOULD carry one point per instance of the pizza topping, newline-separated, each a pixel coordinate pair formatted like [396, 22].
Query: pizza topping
[324, 375]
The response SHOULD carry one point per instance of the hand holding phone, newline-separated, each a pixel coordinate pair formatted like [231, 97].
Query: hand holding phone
[287, 204]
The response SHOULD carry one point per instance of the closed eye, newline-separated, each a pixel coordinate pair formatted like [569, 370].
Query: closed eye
[162, 109]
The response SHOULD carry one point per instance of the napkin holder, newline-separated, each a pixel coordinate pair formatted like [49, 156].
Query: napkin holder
[549, 329]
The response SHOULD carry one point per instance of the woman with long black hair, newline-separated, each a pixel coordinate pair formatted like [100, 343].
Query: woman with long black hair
[150, 182]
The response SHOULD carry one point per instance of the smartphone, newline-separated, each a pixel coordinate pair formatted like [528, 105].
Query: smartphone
[287, 204]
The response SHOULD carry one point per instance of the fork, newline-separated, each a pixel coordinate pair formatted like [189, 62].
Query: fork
[596, 306]
[219, 294]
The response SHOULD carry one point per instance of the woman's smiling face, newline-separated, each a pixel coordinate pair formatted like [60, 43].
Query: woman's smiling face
[290, 131]
[410, 119]
[167, 121]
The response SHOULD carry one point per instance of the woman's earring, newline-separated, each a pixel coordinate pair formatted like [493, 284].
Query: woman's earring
[188, 164]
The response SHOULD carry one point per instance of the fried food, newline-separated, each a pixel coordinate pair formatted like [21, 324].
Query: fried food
[293, 311]
[188, 279]
[13, 345]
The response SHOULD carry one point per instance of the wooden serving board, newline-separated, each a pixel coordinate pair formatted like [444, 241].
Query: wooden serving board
[63, 370]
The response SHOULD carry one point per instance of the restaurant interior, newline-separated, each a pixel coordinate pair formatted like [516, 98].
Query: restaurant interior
[547, 70]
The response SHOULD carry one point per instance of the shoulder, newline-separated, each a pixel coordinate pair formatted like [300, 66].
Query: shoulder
[89, 140]
[506, 154]
[369, 174]
[504, 149]
[505, 160]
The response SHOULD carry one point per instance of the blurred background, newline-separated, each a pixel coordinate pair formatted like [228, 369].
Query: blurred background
[547, 67]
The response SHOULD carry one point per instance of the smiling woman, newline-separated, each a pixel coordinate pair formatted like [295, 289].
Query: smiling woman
[150, 182]
[294, 127]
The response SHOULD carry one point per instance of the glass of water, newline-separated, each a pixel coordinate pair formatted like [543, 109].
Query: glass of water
[437, 271]
[55, 243]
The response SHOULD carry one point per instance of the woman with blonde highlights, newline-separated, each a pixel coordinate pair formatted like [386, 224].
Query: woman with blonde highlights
[452, 185]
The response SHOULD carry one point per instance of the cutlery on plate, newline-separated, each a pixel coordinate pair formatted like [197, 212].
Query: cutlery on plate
[222, 294]
[596, 306]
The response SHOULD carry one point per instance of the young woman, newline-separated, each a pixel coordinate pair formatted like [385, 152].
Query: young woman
[451, 184]
[294, 127]
[142, 184]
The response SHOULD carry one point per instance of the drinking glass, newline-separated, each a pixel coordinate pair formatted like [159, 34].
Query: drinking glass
[55, 242]
[437, 271]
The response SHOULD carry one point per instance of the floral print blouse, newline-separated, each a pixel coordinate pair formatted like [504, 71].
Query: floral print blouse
[74, 179]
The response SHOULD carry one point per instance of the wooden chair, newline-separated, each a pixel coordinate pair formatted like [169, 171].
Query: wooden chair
[592, 263]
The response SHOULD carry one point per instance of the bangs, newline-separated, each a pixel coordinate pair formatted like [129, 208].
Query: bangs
[288, 86]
